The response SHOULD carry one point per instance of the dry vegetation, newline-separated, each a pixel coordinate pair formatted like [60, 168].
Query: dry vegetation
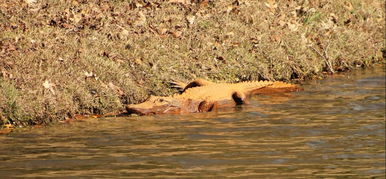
[61, 57]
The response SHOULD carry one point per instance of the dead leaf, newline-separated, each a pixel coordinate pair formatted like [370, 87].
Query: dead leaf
[31, 1]
[125, 32]
[229, 9]
[11, 47]
[185, 2]
[190, 19]
[47, 84]
[292, 27]
[116, 89]
[77, 18]
[328, 24]
[304, 39]
[276, 37]
[177, 34]
[89, 74]
[271, 4]
[229, 34]
[141, 19]
[139, 61]
[163, 31]
[5, 74]
[204, 3]
[348, 6]
[333, 18]
[50, 86]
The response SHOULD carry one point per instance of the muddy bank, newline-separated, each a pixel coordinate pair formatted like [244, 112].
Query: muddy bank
[62, 58]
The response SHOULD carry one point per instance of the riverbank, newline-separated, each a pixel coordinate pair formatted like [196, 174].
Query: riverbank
[59, 59]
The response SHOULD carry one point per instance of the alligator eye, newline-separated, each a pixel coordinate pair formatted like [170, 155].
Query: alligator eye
[162, 100]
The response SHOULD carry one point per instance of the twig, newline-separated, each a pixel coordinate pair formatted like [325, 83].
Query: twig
[325, 57]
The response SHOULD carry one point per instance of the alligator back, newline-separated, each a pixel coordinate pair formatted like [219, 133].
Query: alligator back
[220, 91]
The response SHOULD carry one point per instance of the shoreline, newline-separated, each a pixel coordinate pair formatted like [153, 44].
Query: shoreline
[6, 129]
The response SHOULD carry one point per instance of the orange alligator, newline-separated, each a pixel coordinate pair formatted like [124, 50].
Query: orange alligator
[203, 96]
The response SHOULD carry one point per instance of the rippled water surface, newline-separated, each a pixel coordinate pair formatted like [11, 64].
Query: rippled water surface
[335, 128]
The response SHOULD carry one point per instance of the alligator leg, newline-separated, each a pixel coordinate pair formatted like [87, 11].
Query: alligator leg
[240, 98]
[179, 85]
[182, 87]
[206, 106]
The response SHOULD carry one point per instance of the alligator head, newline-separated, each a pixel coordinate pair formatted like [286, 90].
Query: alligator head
[155, 105]
[175, 105]
[163, 105]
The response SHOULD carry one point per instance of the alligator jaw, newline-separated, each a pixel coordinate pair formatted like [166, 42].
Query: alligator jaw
[155, 105]
[133, 109]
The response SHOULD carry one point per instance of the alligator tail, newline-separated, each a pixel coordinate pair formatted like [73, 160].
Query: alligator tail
[278, 87]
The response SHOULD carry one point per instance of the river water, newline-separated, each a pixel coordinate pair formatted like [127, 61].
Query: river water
[335, 128]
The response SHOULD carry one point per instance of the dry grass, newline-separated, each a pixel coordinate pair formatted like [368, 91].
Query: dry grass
[59, 58]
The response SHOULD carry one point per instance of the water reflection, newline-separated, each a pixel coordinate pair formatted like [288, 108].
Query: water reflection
[334, 128]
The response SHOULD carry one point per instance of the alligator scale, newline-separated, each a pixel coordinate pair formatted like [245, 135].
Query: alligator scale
[203, 96]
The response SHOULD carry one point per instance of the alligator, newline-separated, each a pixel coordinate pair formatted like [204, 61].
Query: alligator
[202, 96]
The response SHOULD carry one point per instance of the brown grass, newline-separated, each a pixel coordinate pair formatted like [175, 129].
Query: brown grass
[60, 58]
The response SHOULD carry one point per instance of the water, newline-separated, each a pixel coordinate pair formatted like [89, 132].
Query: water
[335, 128]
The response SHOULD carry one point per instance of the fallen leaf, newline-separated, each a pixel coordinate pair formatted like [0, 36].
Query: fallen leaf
[348, 6]
[304, 39]
[229, 9]
[116, 89]
[185, 2]
[292, 27]
[89, 74]
[50, 86]
[229, 34]
[190, 19]
[139, 61]
[276, 38]
[141, 19]
[125, 32]
[326, 25]
[77, 18]
[204, 3]
[271, 4]
[177, 34]
[31, 1]
[4, 74]
[47, 84]
[163, 31]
